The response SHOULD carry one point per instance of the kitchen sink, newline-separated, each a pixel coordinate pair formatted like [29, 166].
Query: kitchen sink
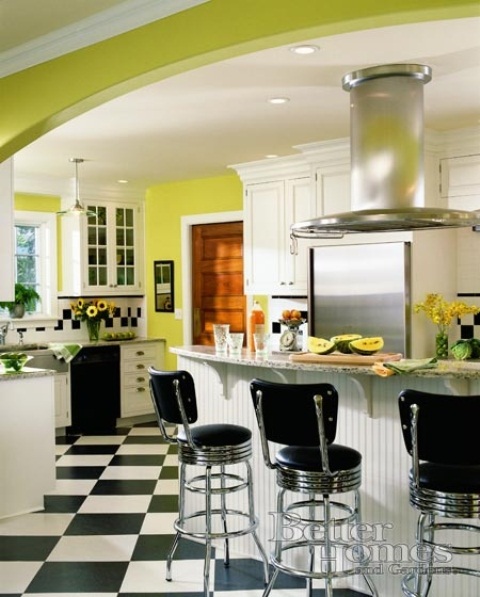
[42, 356]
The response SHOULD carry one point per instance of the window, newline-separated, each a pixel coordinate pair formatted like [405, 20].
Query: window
[27, 256]
[36, 259]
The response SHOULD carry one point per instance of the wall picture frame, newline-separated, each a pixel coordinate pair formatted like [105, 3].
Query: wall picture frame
[164, 288]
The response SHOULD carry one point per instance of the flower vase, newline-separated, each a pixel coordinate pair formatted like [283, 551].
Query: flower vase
[93, 328]
[441, 345]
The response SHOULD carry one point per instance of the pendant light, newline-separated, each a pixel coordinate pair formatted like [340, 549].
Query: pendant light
[77, 208]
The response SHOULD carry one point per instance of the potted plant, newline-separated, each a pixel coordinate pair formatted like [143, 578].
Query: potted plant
[26, 298]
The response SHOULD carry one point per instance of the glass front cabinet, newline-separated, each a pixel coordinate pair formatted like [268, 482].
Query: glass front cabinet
[102, 253]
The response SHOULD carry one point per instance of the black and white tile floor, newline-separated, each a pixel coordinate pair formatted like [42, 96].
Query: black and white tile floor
[107, 528]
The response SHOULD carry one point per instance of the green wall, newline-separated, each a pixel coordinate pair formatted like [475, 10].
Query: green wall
[40, 98]
[165, 205]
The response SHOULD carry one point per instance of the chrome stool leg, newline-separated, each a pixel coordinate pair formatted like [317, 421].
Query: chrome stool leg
[251, 511]
[181, 514]
[364, 559]
[226, 557]
[328, 547]
[208, 530]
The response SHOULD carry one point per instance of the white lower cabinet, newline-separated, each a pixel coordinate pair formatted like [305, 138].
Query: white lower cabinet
[63, 411]
[135, 359]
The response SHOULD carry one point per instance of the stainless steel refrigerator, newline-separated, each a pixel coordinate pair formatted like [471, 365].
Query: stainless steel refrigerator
[361, 289]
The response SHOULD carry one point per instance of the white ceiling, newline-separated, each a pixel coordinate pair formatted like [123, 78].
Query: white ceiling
[195, 124]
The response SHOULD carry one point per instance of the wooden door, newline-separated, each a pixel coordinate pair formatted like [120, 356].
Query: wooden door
[217, 279]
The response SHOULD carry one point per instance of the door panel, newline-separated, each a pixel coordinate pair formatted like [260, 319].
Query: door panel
[217, 274]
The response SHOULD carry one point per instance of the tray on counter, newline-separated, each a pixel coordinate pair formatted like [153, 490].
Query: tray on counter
[345, 359]
[105, 339]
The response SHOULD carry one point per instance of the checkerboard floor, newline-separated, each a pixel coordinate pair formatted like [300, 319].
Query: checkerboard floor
[107, 528]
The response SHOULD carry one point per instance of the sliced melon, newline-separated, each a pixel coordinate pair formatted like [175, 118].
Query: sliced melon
[366, 346]
[342, 342]
[320, 345]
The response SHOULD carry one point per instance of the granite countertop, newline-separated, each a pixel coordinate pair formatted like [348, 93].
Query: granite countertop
[25, 373]
[445, 368]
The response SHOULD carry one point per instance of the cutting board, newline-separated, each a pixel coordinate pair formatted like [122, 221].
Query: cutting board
[345, 359]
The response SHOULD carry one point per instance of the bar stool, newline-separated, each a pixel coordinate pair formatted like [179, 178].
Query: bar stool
[302, 421]
[213, 447]
[441, 435]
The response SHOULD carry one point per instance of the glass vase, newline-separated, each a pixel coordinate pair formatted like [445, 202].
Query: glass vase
[93, 328]
[441, 345]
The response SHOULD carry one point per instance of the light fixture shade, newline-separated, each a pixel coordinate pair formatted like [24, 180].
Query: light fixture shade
[77, 209]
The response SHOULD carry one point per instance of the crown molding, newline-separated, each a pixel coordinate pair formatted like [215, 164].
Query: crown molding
[111, 22]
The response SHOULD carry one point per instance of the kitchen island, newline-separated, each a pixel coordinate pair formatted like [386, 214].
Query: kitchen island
[27, 440]
[368, 421]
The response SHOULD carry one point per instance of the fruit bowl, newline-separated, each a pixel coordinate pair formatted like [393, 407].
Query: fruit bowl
[292, 323]
[14, 361]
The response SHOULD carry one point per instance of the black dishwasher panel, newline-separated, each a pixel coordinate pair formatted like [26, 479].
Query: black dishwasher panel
[95, 390]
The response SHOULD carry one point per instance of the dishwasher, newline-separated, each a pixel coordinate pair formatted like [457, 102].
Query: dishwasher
[95, 390]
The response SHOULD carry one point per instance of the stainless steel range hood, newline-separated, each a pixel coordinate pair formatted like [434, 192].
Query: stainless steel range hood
[387, 158]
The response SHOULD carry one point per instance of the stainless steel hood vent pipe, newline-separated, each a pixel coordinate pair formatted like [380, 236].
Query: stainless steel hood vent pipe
[387, 158]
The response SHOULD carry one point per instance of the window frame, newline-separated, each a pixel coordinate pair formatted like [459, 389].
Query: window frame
[46, 222]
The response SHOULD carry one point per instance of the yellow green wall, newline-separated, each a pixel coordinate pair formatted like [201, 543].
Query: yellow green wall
[165, 205]
[31, 202]
[40, 98]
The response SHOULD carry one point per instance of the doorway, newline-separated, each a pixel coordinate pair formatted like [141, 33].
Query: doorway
[217, 279]
[187, 223]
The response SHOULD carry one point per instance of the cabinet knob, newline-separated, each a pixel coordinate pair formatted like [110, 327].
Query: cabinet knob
[140, 389]
[140, 379]
[139, 353]
[140, 366]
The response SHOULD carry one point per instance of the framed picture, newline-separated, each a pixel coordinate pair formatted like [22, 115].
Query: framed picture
[164, 286]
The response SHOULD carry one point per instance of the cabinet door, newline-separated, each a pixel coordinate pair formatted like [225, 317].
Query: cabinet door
[103, 253]
[298, 209]
[63, 416]
[332, 185]
[264, 229]
[460, 177]
[111, 264]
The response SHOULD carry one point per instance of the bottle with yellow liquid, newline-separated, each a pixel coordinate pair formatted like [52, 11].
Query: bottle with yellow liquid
[256, 318]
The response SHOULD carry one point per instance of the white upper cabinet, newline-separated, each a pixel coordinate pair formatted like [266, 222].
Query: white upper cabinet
[272, 263]
[103, 253]
[332, 189]
[460, 176]
[276, 194]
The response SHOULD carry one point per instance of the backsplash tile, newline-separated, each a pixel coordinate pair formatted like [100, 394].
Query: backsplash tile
[129, 314]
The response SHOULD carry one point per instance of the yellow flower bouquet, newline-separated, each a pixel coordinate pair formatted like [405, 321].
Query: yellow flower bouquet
[442, 313]
[92, 312]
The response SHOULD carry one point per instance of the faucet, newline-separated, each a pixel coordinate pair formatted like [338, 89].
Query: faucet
[3, 332]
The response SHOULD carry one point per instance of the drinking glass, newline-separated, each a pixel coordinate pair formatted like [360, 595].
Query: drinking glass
[220, 335]
[261, 340]
[235, 343]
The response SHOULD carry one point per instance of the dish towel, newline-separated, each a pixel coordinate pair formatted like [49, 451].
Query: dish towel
[403, 366]
[65, 351]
